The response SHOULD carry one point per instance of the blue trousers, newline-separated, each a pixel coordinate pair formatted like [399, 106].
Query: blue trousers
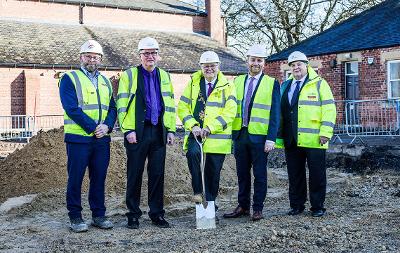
[248, 155]
[96, 157]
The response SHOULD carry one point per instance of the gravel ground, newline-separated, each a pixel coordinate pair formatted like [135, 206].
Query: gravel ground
[363, 216]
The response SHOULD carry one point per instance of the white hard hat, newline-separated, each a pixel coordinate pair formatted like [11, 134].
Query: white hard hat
[257, 50]
[148, 43]
[91, 46]
[209, 57]
[297, 56]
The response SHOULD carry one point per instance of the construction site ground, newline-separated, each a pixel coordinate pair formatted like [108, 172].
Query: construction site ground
[362, 201]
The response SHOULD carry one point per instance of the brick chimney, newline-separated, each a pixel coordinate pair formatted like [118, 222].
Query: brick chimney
[216, 24]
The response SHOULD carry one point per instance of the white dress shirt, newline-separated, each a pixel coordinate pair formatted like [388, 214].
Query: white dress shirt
[293, 87]
[212, 82]
[255, 82]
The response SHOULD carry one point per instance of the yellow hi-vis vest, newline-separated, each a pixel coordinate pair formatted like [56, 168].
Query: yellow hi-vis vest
[127, 90]
[219, 112]
[94, 102]
[260, 111]
[316, 111]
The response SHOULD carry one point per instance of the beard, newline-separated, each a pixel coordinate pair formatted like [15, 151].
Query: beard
[90, 67]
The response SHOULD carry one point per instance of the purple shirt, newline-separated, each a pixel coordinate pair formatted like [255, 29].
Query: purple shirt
[153, 95]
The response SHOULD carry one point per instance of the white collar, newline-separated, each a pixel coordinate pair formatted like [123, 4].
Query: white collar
[301, 80]
[212, 81]
[256, 76]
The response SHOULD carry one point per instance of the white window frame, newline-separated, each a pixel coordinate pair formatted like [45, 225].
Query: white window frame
[346, 75]
[389, 86]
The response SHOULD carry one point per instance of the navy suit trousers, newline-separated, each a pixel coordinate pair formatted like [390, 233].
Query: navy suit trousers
[248, 155]
[95, 156]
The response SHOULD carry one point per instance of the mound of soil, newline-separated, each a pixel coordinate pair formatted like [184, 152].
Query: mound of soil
[40, 166]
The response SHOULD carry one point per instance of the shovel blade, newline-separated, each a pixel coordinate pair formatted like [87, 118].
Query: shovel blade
[205, 217]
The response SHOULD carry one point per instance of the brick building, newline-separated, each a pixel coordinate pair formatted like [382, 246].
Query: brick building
[40, 39]
[360, 57]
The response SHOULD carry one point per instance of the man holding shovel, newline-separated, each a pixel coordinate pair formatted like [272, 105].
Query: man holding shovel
[207, 108]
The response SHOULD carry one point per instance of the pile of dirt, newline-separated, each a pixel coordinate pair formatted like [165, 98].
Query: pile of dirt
[41, 166]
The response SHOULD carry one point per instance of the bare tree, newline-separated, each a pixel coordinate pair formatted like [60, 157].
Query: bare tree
[282, 23]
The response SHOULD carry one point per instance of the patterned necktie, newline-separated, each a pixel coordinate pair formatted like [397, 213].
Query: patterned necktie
[295, 92]
[210, 88]
[153, 99]
[249, 93]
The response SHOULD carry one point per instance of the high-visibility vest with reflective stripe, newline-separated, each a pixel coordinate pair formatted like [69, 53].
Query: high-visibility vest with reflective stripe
[94, 102]
[316, 111]
[127, 91]
[220, 110]
[260, 111]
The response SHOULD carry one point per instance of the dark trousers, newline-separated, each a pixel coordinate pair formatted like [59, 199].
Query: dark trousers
[247, 155]
[212, 170]
[153, 148]
[296, 158]
[95, 156]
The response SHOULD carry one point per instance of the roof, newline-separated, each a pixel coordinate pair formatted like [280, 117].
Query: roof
[57, 45]
[169, 6]
[377, 27]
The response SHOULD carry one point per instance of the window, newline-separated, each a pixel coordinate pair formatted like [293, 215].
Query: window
[394, 79]
[287, 73]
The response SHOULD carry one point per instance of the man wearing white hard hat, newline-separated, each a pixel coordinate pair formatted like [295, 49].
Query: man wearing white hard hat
[89, 117]
[254, 132]
[207, 108]
[308, 117]
[146, 114]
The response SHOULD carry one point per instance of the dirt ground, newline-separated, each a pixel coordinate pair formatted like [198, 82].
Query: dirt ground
[363, 209]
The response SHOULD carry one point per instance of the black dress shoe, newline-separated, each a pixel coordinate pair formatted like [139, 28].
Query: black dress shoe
[238, 212]
[160, 222]
[257, 215]
[295, 211]
[318, 213]
[133, 223]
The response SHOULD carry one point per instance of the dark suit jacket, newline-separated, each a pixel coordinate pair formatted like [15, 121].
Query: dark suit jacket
[140, 107]
[289, 112]
[274, 116]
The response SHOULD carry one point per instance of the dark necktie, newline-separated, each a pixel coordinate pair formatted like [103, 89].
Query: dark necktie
[210, 88]
[249, 93]
[295, 92]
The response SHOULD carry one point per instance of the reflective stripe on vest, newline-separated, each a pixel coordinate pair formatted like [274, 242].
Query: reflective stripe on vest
[94, 104]
[260, 110]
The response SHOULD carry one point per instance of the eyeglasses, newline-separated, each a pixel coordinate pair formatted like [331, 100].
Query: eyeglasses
[147, 54]
[92, 57]
[210, 66]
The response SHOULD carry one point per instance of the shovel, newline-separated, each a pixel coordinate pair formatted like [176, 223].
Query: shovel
[205, 211]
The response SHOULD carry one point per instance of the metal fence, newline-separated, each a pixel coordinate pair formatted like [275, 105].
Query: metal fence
[24, 127]
[360, 119]
[356, 119]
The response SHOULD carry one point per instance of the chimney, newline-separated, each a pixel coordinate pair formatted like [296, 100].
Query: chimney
[216, 24]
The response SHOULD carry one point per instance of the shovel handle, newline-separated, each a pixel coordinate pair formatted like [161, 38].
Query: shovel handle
[202, 167]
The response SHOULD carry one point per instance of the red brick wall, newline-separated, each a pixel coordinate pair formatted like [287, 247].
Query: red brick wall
[68, 13]
[17, 95]
[372, 78]
[35, 91]
[12, 91]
